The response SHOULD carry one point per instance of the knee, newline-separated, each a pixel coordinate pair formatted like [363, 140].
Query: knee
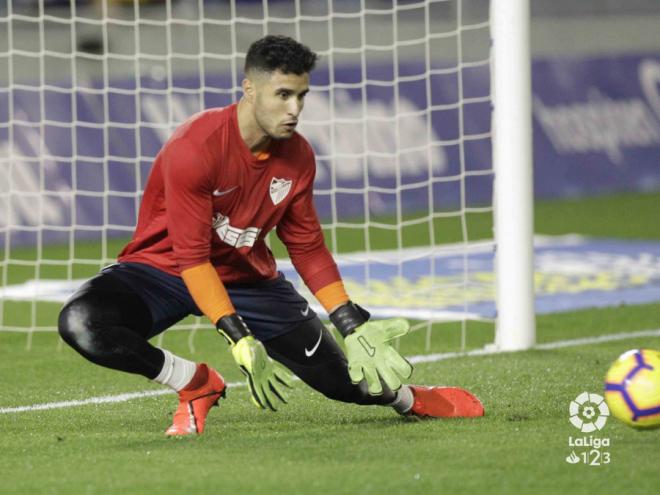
[74, 325]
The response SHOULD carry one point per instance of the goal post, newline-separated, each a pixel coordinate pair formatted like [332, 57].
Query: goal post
[512, 162]
[414, 168]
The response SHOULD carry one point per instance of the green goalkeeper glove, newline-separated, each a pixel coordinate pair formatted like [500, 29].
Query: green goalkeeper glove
[266, 378]
[370, 356]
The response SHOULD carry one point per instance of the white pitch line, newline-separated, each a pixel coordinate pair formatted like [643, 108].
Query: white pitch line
[106, 399]
[559, 344]
[426, 358]
[597, 340]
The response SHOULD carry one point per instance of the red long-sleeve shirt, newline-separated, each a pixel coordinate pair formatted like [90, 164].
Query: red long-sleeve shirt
[208, 198]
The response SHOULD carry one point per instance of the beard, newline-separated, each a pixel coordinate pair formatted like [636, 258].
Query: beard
[273, 130]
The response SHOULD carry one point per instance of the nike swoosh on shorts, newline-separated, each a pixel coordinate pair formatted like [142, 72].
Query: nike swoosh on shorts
[310, 352]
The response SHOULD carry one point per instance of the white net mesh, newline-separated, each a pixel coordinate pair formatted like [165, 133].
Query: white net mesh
[399, 116]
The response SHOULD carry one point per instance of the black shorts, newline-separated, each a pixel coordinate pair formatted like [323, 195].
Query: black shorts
[270, 308]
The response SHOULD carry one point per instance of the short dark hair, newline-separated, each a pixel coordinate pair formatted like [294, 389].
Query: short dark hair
[281, 53]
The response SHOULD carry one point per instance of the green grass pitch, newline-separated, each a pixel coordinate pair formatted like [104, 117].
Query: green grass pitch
[314, 445]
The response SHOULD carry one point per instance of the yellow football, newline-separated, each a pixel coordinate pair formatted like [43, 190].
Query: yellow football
[632, 388]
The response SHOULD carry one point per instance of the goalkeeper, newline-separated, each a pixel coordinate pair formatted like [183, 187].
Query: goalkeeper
[226, 178]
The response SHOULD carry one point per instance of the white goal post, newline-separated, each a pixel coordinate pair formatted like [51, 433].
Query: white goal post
[512, 161]
[419, 114]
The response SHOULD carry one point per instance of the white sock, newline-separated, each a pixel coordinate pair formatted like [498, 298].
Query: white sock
[177, 372]
[404, 400]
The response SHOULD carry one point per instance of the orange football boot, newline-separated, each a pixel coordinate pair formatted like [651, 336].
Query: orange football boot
[194, 405]
[444, 402]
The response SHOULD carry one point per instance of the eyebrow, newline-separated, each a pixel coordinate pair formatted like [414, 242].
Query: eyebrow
[289, 90]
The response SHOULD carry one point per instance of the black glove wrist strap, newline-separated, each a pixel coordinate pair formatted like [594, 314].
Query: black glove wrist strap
[232, 328]
[347, 317]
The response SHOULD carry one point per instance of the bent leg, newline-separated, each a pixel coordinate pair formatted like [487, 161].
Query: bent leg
[108, 323]
[312, 353]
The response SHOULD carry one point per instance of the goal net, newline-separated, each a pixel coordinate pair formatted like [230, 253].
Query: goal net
[399, 115]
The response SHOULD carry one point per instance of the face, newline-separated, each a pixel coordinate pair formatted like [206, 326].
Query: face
[277, 100]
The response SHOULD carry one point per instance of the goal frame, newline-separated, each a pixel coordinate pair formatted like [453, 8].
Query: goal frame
[511, 132]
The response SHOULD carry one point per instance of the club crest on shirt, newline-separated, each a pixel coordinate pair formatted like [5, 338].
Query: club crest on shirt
[279, 188]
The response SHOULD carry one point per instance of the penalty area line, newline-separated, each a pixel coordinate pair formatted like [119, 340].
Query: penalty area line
[425, 358]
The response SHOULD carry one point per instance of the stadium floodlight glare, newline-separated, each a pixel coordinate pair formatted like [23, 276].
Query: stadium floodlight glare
[410, 178]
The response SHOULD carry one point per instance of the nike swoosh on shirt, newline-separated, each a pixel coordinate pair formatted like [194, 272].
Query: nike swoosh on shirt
[305, 311]
[218, 192]
[310, 352]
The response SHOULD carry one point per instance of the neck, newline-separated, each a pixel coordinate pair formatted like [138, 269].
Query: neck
[254, 138]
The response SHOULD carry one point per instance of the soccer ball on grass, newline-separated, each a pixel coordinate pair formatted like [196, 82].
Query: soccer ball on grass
[632, 388]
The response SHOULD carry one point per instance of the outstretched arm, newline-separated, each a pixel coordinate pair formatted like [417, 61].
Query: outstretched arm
[266, 378]
[369, 353]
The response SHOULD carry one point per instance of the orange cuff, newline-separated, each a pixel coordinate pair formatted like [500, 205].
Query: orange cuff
[332, 295]
[208, 291]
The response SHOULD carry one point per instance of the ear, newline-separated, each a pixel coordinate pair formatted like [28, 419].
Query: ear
[248, 89]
